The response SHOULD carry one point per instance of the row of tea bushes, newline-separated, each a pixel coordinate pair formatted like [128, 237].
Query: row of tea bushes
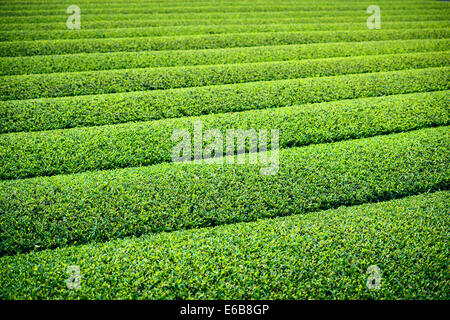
[173, 58]
[49, 212]
[322, 255]
[229, 40]
[66, 112]
[42, 153]
[127, 80]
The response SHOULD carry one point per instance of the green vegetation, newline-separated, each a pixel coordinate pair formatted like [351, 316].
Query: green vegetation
[172, 58]
[145, 21]
[86, 172]
[207, 29]
[399, 10]
[38, 47]
[327, 252]
[58, 113]
[137, 144]
[63, 210]
[214, 8]
[101, 82]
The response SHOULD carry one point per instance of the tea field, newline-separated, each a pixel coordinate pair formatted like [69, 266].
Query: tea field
[88, 182]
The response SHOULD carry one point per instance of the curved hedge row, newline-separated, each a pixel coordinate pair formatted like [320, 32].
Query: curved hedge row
[207, 29]
[149, 22]
[172, 58]
[177, 3]
[323, 255]
[58, 113]
[47, 47]
[138, 144]
[56, 211]
[221, 15]
[150, 8]
[102, 82]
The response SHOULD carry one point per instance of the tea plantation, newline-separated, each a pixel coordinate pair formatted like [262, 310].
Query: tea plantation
[87, 114]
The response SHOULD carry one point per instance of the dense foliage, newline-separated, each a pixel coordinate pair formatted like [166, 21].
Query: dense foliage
[60, 210]
[87, 178]
[41, 153]
[91, 110]
[322, 255]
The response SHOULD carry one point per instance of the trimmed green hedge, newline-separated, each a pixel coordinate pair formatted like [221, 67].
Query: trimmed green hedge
[136, 144]
[207, 29]
[40, 47]
[387, 13]
[56, 113]
[91, 207]
[101, 82]
[86, 119]
[323, 255]
[49, 4]
[150, 8]
[151, 22]
[172, 58]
